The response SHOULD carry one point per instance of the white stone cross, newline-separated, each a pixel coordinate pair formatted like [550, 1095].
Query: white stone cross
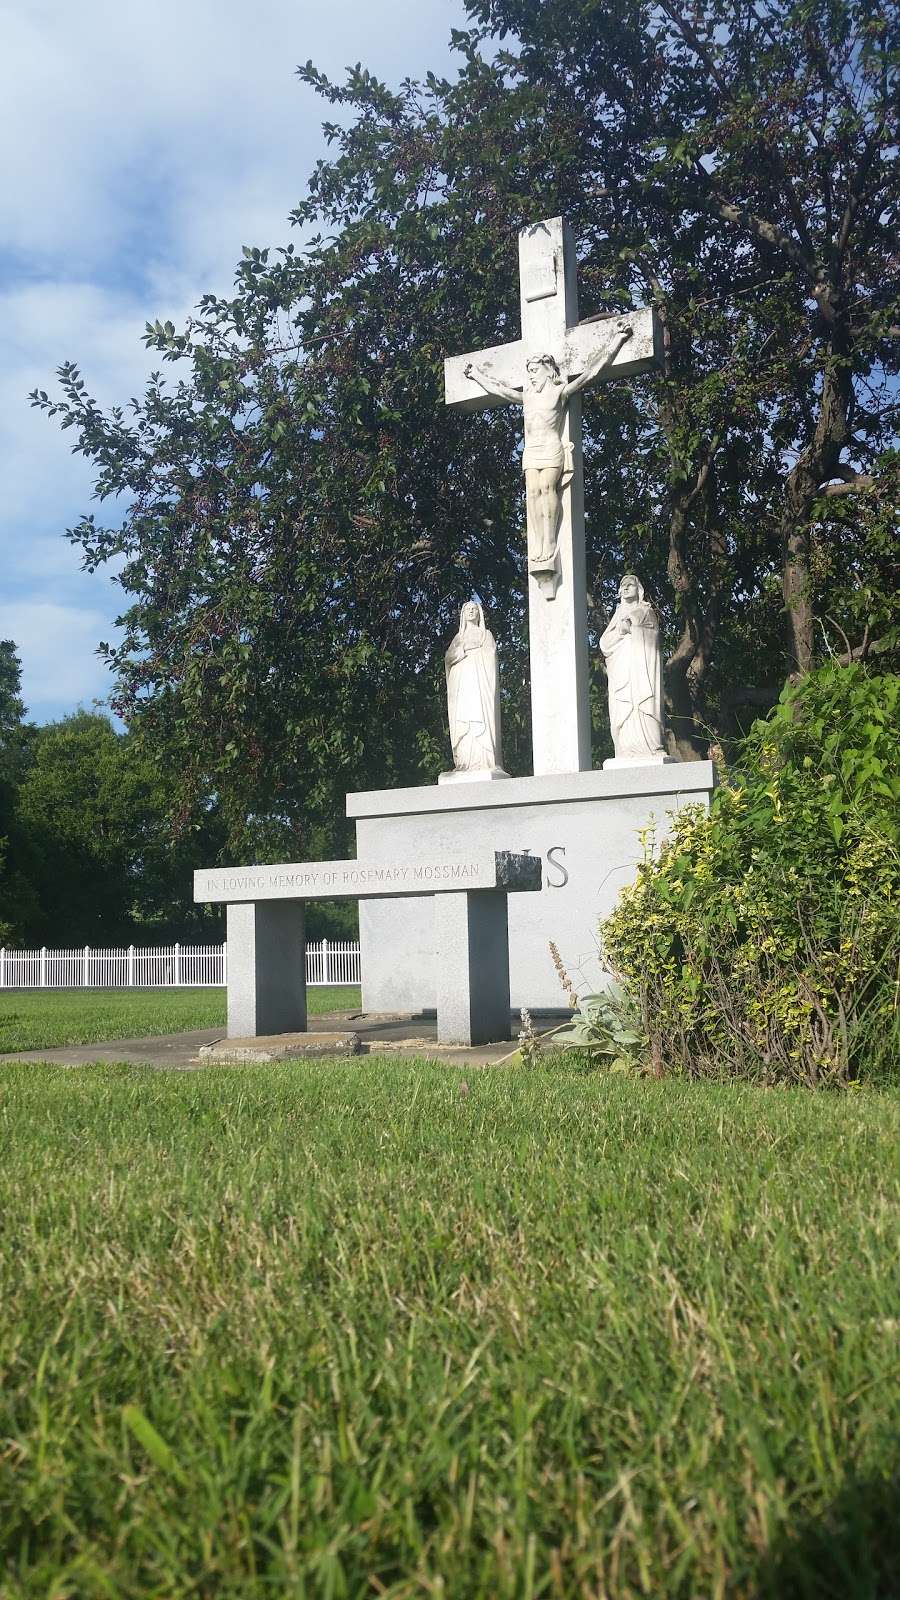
[615, 346]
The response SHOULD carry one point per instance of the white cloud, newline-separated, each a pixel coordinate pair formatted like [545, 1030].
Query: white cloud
[110, 106]
[57, 645]
[152, 139]
[42, 324]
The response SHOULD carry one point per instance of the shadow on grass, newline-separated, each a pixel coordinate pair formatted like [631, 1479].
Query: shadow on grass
[850, 1552]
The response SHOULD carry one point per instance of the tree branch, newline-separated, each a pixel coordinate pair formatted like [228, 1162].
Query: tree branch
[768, 232]
[888, 645]
[690, 36]
[858, 483]
[857, 184]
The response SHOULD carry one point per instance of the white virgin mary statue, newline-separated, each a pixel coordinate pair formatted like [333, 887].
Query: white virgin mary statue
[473, 699]
[631, 647]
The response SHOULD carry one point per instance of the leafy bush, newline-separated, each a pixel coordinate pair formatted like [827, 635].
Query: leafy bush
[764, 938]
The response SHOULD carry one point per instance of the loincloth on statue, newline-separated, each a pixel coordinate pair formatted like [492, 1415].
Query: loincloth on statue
[542, 460]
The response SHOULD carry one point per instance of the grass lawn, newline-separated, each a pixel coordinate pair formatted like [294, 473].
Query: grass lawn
[371, 1328]
[38, 1019]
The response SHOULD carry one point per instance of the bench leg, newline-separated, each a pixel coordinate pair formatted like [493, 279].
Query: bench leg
[472, 958]
[266, 968]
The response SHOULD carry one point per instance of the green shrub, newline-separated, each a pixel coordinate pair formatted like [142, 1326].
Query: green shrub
[763, 939]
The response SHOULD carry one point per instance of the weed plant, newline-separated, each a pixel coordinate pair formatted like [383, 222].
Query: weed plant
[364, 1328]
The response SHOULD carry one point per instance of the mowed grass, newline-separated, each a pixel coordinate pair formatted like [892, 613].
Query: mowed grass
[372, 1328]
[41, 1019]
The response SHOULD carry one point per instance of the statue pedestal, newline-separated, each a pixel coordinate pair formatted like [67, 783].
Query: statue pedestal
[584, 826]
[640, 761]
[476, 775]
[547, 576]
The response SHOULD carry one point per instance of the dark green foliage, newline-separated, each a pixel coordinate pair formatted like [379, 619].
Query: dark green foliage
[353, 1328]
[304, 516]
[12, 708]
[88, 851]
[766, 938]
[92, 823]
[18, 899]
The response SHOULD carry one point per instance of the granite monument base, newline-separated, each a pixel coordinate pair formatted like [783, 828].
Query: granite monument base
[639, 761]
[585, 826]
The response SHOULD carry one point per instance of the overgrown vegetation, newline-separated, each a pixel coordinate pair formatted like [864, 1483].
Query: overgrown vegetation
[361, 1328]
[765, 940]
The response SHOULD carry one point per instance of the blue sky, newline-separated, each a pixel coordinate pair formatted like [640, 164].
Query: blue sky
[145, 142]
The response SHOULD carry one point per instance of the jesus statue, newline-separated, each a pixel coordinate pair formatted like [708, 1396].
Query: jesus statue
[546, 458]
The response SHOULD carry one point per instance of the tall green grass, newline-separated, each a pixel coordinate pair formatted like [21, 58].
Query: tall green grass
[366, 1328]
[41, 1019]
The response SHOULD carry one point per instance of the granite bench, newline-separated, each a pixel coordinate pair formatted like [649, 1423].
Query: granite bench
[265, 912]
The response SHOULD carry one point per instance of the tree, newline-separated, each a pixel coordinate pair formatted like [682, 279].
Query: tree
[17, 895]
[301, 524]
[12, 706]
[15, 733]
[745, 169]
[93, 806]
[86, 847]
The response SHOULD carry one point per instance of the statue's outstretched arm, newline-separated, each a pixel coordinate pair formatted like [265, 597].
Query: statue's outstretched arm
[492, 385]
[598, 362]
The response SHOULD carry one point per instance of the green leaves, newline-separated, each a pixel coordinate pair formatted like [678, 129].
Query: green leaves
[91, 817]
[765, 938]
[607, 1025]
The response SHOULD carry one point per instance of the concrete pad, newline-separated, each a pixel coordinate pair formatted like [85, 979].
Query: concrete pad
[397, 1034]
[173, 1051]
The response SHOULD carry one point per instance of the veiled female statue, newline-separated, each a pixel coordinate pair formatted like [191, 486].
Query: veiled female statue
[473, 698]
[631, 647]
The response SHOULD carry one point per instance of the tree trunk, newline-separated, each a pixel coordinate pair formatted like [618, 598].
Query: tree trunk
[818, 462]
[692, 500]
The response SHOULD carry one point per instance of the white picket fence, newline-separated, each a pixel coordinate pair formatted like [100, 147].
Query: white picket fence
[177, 966]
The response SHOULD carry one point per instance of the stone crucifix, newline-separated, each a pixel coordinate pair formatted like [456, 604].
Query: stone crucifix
[544, 372]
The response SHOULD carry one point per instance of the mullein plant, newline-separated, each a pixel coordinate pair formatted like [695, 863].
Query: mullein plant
[606, 1024]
